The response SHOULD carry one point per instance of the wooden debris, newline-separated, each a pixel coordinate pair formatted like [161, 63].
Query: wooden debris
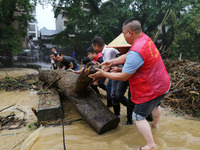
[85, 100]
[9, 83]
[59, 122]
[185, 87]
[10, 122]
[7, 107]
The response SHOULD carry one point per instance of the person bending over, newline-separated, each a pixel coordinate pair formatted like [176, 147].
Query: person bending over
[68, 62]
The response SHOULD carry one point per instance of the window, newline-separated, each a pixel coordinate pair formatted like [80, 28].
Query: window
[31, 28]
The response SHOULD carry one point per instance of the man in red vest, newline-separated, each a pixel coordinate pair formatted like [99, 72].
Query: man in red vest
[147, 75]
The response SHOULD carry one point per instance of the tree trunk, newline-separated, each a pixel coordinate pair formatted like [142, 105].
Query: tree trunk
[84, 99]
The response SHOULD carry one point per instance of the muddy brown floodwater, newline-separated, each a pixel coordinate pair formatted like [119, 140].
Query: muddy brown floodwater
[175, 132]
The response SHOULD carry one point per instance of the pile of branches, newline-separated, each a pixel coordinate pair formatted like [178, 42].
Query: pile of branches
[9, 83]
[10, 121]
[184, 95]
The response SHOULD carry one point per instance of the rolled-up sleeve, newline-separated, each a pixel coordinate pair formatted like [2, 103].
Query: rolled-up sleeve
[133, 61]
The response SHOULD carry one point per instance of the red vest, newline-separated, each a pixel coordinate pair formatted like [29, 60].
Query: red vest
[98, 56]
[151, 80]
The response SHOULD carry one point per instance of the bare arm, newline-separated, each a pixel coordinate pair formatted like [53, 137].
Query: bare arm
[71, 65]
[122, 76]
[118, 61]
[79, 71]
[63, 68]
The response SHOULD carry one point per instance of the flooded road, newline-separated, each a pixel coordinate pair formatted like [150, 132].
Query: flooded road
[15, 72]
[175, 133]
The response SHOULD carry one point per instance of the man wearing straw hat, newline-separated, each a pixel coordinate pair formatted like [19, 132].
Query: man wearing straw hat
[119, 87]
[147, 75]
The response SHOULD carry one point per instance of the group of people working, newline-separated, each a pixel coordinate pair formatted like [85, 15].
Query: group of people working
[98, 53]
[145, 71]
[141, 68]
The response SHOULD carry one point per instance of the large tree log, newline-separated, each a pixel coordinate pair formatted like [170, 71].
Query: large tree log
[87, 103]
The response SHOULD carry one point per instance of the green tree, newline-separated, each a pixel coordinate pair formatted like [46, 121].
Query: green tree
[14, 18]
[106, 19]
[187, 33]
[81, 22]
[97, 19]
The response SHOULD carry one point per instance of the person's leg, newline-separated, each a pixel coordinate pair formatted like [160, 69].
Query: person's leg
[140, 113]
[115, 103]
[120, 91]
[101, 84]
[130, 107]
[108, 87]
[129, 110]
[108, 91]
[54, 67]
[145, 129]
[116, 109]
[94, 87]
[156, 116]
[113, 92]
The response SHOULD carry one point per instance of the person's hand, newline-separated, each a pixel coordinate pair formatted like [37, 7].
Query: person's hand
[106, 65]
[95, 82]
[114, 69]
[70, 70]
[98, 74]
[97, 63]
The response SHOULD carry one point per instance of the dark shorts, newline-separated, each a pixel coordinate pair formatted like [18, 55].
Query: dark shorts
[143, 110]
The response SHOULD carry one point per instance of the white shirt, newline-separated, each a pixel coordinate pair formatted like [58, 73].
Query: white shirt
[52, 61]
[109, 53]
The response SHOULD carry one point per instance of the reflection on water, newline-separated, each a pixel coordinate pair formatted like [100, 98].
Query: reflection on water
[175, 133]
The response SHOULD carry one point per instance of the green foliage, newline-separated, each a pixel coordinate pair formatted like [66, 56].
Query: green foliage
[11, 42]
[14, 18]
[179, 33]
[113, 14]
[187, 34]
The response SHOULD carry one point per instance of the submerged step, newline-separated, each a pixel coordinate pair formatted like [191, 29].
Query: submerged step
[49, 106]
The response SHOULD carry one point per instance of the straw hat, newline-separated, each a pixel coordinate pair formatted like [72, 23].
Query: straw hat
[119, 42]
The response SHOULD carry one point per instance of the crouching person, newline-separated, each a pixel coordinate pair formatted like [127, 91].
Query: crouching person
[68, 62]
